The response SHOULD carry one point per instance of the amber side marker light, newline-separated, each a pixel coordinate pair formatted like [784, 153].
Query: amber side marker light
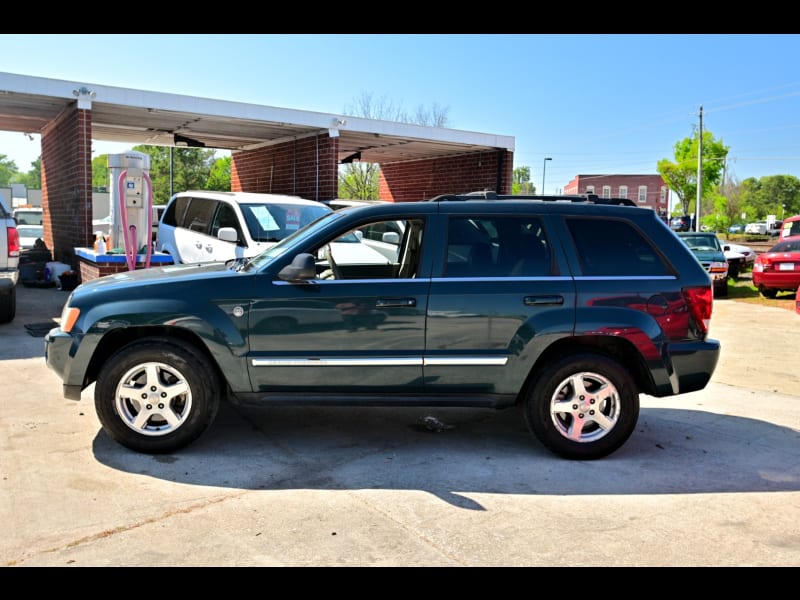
[68, 318]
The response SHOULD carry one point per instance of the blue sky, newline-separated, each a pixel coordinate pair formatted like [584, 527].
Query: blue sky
[595, 104]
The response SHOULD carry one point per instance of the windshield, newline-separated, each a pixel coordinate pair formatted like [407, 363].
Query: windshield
[288, 243]
[28, 217]
[274, 221]
[702, 242]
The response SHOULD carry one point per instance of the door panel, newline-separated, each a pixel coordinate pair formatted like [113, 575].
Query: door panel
[339, 334]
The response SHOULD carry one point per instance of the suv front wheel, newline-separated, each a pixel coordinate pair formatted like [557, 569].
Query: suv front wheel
[156, 395]
[582, 406]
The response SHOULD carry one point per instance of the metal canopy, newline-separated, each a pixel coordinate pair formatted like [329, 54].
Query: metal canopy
[29, 104]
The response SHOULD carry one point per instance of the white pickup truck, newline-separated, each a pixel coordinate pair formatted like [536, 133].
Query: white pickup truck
[764, 228]
[9, 263]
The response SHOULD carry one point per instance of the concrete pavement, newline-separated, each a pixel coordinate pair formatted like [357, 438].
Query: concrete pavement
[711, 478]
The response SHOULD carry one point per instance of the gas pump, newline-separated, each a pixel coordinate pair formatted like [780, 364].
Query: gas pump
[132, 205]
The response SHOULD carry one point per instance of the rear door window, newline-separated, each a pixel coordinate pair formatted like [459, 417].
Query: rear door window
[631, 253]
[199, 215]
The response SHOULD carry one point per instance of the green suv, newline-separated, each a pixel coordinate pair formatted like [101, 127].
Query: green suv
[568, 306]
[708, 250]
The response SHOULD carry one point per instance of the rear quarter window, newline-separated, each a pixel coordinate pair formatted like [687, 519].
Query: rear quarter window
[613, 247]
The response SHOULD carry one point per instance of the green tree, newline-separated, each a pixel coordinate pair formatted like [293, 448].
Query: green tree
[33, 178]
[190, 170]
[521, 181]
[777, 195]
[100, 176]
[8, 169]
[359, 181]
[681, 175]
[219, 179]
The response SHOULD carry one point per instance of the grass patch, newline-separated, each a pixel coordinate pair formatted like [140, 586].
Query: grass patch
[743, 290]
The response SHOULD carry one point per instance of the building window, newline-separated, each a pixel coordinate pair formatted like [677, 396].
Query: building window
[663, 195]
[623, 191]
[606, 191]
[642, 194]
[590, 189]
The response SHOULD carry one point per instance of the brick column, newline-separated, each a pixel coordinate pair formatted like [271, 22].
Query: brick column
[67, 184]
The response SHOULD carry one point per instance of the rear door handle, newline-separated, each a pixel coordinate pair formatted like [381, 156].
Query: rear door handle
[543, 300]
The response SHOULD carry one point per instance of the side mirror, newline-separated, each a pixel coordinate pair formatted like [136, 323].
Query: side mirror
[302, 268]
[726, 248]
[227, 234]
[391, 237]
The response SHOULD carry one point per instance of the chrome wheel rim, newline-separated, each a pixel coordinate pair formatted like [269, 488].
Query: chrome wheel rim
[153, 399]
[585, 407]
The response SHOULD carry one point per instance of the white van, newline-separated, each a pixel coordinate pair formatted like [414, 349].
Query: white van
[203, 226]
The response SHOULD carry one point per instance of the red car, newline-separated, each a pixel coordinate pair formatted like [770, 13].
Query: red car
[778, 269]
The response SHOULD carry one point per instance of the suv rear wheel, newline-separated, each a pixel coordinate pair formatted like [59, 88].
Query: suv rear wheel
[582, 406]
[155, 396]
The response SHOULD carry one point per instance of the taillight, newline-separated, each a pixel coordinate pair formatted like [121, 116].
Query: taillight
[701, 301]
[13, 241]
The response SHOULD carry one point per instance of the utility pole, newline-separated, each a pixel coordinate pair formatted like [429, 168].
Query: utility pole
[699, 173]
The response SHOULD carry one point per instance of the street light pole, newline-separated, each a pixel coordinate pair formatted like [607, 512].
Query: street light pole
[544, 170]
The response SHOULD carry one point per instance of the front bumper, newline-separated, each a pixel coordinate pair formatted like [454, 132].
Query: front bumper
[58, 357]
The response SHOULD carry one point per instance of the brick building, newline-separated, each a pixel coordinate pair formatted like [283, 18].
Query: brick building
[645, 190]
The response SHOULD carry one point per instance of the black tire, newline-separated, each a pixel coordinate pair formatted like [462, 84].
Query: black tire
[721, 290]
[8, 305]
[183, 395]
[550, 413]
[733, 271]
[768, 292]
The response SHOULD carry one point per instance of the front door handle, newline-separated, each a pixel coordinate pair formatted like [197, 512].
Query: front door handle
[395, 302]
[543, 300]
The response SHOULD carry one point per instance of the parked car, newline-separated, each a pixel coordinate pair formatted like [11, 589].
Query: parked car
[736, 228]
[28, 215]
[797, 300]
[28, 234]
[492, 302]
[9, 263]
[708, 250]
[778, 269]
[682, 223]
[771, 229]
[201, 226]
[740, 258]
[790, 227]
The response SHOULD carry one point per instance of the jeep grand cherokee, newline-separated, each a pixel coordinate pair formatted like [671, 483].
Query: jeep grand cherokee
[569, 306]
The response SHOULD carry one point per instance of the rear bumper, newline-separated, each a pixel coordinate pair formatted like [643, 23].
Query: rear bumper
[690, 367]
[8, 279]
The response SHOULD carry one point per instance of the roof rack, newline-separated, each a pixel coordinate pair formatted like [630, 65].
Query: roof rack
[490, 195]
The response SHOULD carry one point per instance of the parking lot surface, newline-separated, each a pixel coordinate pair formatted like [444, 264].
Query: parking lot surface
[711, 478]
